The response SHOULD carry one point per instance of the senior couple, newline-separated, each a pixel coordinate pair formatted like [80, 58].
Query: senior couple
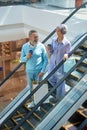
[35, 56]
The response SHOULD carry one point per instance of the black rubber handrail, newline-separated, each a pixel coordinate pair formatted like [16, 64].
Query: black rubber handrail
[16, 68]
[51, 91]
[3, 81]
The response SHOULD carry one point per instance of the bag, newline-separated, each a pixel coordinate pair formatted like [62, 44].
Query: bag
[41, 92]
[69, 64]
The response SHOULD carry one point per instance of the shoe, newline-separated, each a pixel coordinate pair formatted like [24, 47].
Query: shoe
[31, 105]
[53, 100]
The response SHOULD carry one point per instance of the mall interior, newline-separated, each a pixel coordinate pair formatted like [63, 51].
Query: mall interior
[17, 18]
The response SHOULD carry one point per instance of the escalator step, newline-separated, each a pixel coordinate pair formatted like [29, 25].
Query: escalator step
[26, 126]
[84, 62]
[85, 104]
[82, 69]
[77, 58]
[76, 117]
[83, 112]
[71, 82]
[10, 125]
[47, 107]
[36, 116]
[77, 74]
[73, 122]
[31, 121]
[84, 45]
[34, 121]
[70, 127]
[79, 52]
[40, 113]
[23, 109]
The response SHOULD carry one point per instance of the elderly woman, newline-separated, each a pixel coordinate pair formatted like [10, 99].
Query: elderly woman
[58, 49]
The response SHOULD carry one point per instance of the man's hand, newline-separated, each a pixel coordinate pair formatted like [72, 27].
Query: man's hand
[29, 56]
[65, 56]
[41, 74]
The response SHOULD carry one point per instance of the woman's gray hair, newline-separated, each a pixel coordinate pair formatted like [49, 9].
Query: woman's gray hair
[63, 28]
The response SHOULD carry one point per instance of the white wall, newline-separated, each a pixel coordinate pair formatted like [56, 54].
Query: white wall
[41, 19]
[32, 18]
[64, 3]
[10, 15]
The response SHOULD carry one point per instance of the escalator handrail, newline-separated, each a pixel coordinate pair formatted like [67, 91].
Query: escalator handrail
[3, 81]
[51, 91]
[15, 69]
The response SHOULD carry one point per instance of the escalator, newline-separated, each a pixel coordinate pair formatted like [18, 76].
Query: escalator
[45, 115]
[75, 78]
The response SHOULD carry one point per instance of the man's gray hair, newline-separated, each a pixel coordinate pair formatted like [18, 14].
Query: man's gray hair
[32, 31]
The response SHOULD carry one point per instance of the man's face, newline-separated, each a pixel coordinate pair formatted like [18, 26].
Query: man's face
[33, 38]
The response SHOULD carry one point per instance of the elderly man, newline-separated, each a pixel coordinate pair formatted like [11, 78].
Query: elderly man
[35, 56]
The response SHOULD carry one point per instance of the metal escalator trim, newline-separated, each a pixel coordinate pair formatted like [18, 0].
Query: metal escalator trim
[42, 100]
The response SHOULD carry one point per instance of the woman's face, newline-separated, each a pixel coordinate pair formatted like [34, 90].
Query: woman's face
[58, 31]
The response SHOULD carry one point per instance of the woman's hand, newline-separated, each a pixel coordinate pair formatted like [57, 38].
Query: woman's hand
[65, 56]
